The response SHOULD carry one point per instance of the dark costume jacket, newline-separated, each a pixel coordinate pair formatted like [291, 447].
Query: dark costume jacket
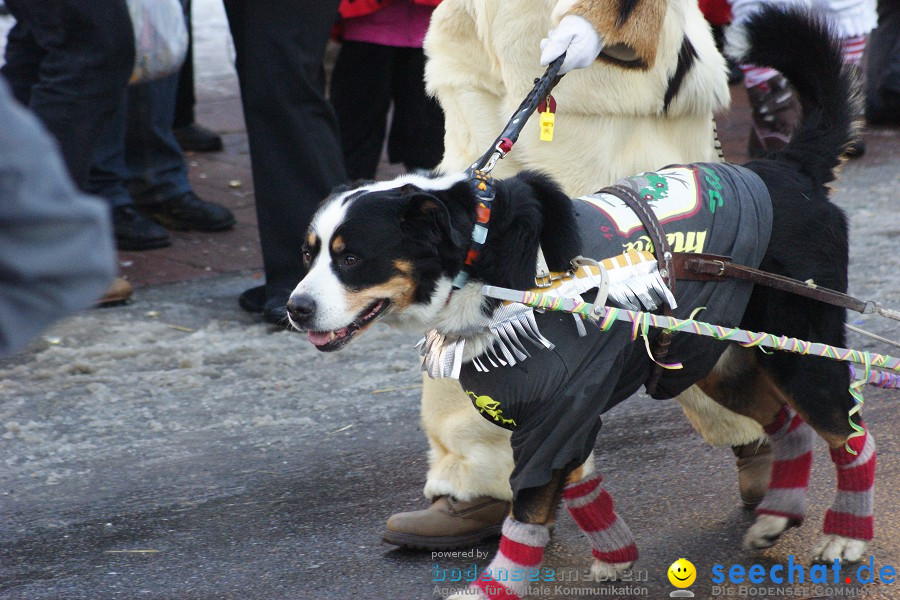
[553, 401]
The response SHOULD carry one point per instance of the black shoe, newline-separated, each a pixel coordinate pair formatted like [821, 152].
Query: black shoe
[275, 311]
[134, 231]
[254, 299]
[189, 212]
[196, 138]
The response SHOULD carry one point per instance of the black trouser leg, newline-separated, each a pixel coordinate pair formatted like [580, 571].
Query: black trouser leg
[186, 98]
[417, 130]
[883, 70]
[361, 96]
[294, 150]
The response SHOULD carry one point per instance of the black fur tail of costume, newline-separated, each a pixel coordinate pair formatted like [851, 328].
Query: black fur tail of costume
[803, 48]
[809, 237]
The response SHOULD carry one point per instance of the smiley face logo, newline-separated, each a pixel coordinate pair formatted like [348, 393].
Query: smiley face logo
[682, 573]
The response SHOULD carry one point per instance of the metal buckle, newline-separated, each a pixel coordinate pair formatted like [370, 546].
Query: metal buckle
[721, 267]
[543, 280]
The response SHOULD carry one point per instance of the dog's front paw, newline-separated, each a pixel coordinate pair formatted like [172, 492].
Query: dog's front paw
[832, 547]
[766, 531]
[604, 571]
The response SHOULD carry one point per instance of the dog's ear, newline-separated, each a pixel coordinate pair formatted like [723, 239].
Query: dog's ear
[560, 238]
[428, 213]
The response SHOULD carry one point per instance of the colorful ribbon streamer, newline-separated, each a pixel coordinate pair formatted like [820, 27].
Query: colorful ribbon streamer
[605, 316]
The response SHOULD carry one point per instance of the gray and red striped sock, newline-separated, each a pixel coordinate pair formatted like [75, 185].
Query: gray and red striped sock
[851, 513]
[517, 562]
[792, 445]
[592, 508]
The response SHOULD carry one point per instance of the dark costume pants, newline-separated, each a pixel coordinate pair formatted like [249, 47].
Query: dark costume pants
[69, 61]
[186, 99]
[367, 78]
[883, 71]
[294, 150]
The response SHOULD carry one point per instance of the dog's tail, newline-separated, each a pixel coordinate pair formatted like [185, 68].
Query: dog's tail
[808, 54]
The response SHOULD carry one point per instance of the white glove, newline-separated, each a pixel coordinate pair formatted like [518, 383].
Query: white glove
[577, 38]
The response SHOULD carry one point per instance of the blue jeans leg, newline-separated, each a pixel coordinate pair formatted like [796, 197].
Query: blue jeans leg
[109, 173]
[158, 169]
[70, 60]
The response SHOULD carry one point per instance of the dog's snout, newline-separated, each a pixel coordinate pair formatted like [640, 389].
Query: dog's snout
[301, 307]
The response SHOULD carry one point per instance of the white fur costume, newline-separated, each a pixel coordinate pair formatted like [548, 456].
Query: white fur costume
[611, 122]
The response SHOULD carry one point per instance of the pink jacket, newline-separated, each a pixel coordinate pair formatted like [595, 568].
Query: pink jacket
[400, 23]
[359, 8]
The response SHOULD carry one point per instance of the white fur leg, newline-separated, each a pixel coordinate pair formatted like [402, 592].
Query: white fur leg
[469, 456]
[847, 550]
[718, 425]
[766, 531]
[603, 571]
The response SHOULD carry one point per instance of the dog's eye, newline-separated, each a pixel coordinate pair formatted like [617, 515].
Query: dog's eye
[307, 257]
[349, 260]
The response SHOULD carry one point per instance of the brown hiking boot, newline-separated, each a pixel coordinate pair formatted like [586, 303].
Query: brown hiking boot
[118, 292]
[448, 524]
[754, 463]
[776, 114]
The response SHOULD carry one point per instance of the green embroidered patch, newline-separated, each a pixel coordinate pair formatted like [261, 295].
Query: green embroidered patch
[657, 187]
[486, 404]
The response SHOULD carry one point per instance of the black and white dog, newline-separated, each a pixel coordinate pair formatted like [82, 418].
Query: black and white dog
[390, 252]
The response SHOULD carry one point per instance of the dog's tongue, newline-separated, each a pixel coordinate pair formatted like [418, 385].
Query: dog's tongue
[319, 338]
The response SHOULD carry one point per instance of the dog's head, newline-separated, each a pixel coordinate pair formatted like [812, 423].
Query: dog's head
[390, 251]
[382, 250]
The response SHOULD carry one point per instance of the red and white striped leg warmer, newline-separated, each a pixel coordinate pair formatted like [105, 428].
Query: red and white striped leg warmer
[851, 513]
[792, 444]
[517, 562]
[754, 76]
[853, 48]
[592, 508]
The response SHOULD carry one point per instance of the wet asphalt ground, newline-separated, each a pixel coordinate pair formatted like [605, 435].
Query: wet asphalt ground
[176, 449]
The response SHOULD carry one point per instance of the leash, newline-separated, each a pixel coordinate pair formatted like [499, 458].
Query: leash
[709, 267]
[479, 171]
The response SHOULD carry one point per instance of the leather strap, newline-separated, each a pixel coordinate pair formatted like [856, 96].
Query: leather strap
[710, 267]
[660, 347]
[657, 235]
